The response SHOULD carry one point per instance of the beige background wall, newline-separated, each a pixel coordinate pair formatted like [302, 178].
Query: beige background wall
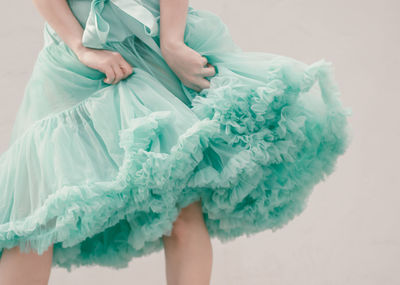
[350, 232]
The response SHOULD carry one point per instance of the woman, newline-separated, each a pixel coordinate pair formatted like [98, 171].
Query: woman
[144, 126]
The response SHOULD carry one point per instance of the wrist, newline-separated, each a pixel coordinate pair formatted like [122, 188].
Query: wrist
[170, 45]
[79, 49]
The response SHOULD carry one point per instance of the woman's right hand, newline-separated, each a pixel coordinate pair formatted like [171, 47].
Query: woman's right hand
[111, 63]
[189, 66]
[60, 17]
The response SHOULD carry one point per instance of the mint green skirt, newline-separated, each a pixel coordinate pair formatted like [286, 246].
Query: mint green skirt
[101, 171]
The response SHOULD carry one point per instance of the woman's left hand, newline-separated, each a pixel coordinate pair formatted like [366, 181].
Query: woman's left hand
[190, 66]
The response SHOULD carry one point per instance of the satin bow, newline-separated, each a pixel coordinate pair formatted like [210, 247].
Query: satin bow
[97, 29]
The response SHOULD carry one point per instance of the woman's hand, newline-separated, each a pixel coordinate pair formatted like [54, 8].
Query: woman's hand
[60, 17]
[190, 66]
[111, 63]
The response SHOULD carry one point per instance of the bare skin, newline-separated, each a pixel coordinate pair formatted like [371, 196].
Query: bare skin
[20, 268]
[188, 255]
[188, 65]
[188, 250]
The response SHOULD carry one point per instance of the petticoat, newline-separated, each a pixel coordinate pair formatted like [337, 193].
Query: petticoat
[102, 170]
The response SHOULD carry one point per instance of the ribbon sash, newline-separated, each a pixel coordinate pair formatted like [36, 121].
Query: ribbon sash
[97, 29]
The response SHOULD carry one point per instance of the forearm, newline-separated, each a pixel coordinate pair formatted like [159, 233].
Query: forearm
[59, 16]
[172, 22]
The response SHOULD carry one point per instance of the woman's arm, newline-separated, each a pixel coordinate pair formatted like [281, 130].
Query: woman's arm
[188, 65]
[60, 17]
[172, 21]
[58, 14]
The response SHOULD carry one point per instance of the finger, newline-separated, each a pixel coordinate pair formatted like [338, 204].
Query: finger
[110, 75]
[208, 71]
[196, 88]
[203, 83]
[203, 61]
[119, 74]
[127, 69]
[123, 65]
[193, 86]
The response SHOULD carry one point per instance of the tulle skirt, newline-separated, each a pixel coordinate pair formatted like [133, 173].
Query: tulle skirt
[101, 171]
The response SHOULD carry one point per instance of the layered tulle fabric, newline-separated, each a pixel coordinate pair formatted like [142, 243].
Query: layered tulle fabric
[101, 171]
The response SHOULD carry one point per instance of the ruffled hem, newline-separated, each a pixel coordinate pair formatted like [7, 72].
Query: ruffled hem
[288, 145]
[277, 150]
[143, 193]
[259, 140]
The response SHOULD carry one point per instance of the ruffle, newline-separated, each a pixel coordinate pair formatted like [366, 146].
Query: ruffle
[143, 192]
[259, 142]
[287, 147]
[277, 150]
